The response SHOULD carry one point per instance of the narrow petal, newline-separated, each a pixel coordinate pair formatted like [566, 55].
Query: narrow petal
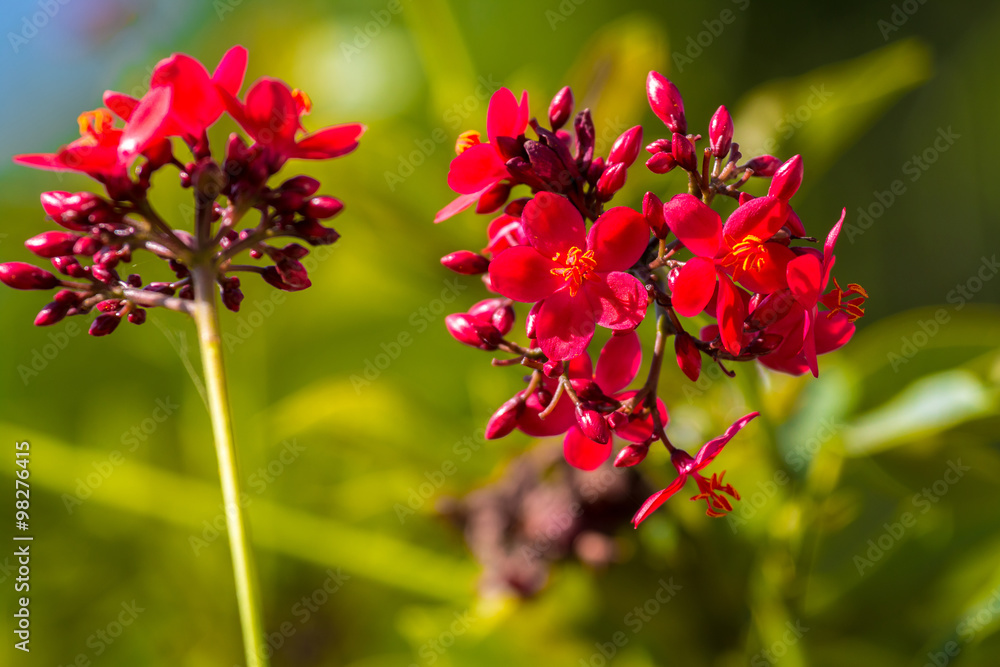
[809, 342]
[330, 142]
[231, 70]
[654, 501]
[696, 225]
[731, 311]
[805, 279]
[48, 161]
[477, 168]
[565, 324]
[619, 300]
[831, 238]
[582, 452]
[693, 286]
[618, 239]
[619, 362]
[457, 205]
[712, 448]
[552, 224]
[522, 274]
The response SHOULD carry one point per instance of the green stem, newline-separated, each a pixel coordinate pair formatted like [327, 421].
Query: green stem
[206, 318]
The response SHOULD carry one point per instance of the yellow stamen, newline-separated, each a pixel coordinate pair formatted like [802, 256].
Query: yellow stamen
[467, 140]
[748, 253]
[95, 123]
[302, 101]
[577, 267]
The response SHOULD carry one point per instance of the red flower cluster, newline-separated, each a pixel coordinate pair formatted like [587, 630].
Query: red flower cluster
[750, 274]
[102, 233]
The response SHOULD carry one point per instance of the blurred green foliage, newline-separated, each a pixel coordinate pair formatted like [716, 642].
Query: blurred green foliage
[868, 531]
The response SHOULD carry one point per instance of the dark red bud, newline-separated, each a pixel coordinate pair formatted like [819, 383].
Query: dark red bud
[60, 207]
[592, 423]
[688, 356]
[52, 244]
[652, 211]
[666, 102]
[25, 276]
[51, 314]
[109, 305]
[626, 147]
[631, 455]
[466, 262]
[104, 274]
[764, 165]
[720, 132]
[304, 185]
[134, 280]
[769, 309]
[504, 420]
[160, 288]
[232, 297]
[69, 266]
[137, 316]
[87, 245]
[68, 297]
[494, 198]
[293, 273]
[683, 151]
[516, 207]
[787, 179]
[104, 324]
[322, 207]
[561, 108]
[611, 181]
[314, 233]
[661, 163]
[764, 343]
[553, 369]
[503, 319]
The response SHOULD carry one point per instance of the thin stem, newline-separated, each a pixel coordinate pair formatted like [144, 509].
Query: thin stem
[206, 316]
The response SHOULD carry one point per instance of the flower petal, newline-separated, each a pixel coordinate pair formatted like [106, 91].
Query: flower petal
[478, 168]
[761, 217]
[696, 225]
[552, 224]
[618, 239]
[619, 362]
[565, 324]
[832, 332]
[693, 286]
[619, 300]
[805, 279]
[457, 205]
[654, 501]
[582, 452]
[330, 142]
[231, 70]
[271, 112]
[149, 120]
[522, 274]
[120, 104]
[731, 311]
[712, 448]
[505, 117]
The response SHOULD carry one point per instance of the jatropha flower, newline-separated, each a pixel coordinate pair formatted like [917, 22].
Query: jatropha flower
[755, 276]
[92, 253]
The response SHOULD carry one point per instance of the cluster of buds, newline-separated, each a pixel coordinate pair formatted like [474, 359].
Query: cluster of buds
[100, 233]
[757, 277]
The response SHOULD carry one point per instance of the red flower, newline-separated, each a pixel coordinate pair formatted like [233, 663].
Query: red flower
[272, 115]
[710, 490]
[182, 100]
[95, 153]
[578, 277]
[479, 167]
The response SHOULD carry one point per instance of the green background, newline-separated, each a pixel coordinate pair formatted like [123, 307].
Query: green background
[890, 415]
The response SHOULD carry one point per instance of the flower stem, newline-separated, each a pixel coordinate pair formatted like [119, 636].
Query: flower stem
[206, 318]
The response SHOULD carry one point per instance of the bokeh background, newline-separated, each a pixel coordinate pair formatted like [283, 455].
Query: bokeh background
[347, 472]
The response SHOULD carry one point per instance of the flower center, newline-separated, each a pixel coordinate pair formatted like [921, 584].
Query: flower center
[839, 300]
[748, 254]
[466, 140]
[303, 103]
[577, 267]
[711, 492]
[94, 124]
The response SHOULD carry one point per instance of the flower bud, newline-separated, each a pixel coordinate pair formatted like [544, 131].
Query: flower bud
[626, 147]
[87, 245]
[516, 207]
[596, 170]
[763, 165]
[503, 319]
[661, 163]
[787, 179]
[770, 309]
[561, 108]
[322, 207]
[52, 244]
[137, 316]
[553, 369]
[134, 280]
[531, 320]
[104, 324]
[611, 181]
[494, 198]
[683, 151]
[504, 420]
[305, 185]
[25, 276]
[652, 211]
[631, 455]
[57, 205]
[103, 274]
[466, 262]
[160, 288]
[659, 146]
[720, 132]
[109, 305]
[688, 356]
[69, 266]
[592, 425]
[616, 419]
[51, 314]
[67, 296]
[314, 233]
[666, 102]
[465, 329]
[764, 343]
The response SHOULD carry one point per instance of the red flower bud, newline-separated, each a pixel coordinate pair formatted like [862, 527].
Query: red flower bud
[659, 146]
[616, 419]
[505, 418]
[720, 132]
[322, 207]
[304, 185]
[764, 343]
[314, 233]
[68, 297]
[688, 356]
[465, 329]
[531, 320]
[683, 151]
[516, 207]
[561, 108]
[466, 262]
[137, 316]
[666, 102]
[626, 147]
[553, 369]
[661, 163]
[104, 324]
[87, 245]
[51, 314]
[652, 211]
[104, 274]
[592, 423]
[764, 165]
[787, 179]
[69, 266]
[109, 305]
[611, 181]
[503, 319]
[51, 244]
[59, 206]
[595, 170]
[631, 455]
[293, 273]
[494, 198]
[25, 276]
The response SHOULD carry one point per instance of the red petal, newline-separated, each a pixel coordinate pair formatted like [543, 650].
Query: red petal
[478, 168]
[654, 501]
[619, 362]
[832, 332]
[458, 205]
[271, 112]
[560, 419]
[809, 342]
[582, 452]
[330, 142]
[639, 430]
[120, 104]
[696, 225]
[522, 274]
[49, 161]
[694, 285]
[619, 299]
[761, 217]
[688, 356]
[618, 239]
[805, 279]
[149, 121]
[231, 70]
[712, 448]
[770, 276]
[505, 117]
[552, 224]
[565, 324]
[731, 313]
[831, 240]
[194, 103]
